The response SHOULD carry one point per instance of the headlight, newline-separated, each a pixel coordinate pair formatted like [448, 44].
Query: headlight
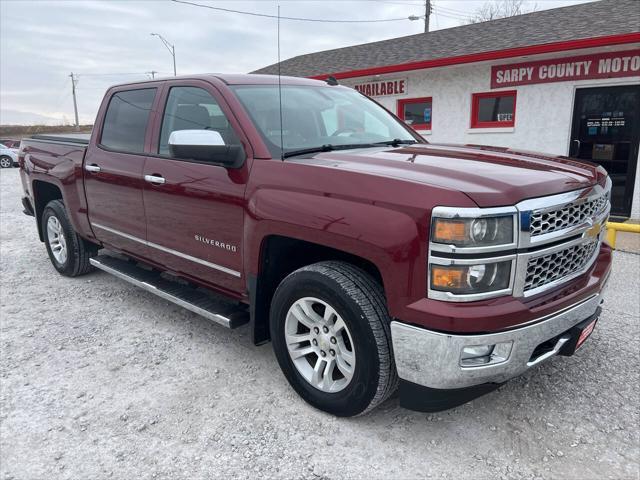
[473, 232]
[470, 279]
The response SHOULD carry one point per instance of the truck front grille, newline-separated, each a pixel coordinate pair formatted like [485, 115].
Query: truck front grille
[567, 216]
[554, 266]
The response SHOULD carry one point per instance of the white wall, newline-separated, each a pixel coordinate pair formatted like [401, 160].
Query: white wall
[543, 111]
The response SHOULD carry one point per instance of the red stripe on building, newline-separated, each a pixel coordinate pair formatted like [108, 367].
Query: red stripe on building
[608, 40]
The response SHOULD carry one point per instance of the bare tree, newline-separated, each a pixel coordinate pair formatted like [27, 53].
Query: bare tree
[500, 9]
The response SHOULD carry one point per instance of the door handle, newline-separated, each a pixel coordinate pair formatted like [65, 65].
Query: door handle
[93, 168]
[155, 179]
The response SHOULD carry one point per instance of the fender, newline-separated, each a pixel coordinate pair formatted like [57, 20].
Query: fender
[389, 239]
[379, 218]
[63, 169]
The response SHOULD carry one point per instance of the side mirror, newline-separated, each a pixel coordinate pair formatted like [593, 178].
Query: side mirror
[205, 146]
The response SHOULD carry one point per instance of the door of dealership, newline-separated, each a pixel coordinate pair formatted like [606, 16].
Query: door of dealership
[606, 130]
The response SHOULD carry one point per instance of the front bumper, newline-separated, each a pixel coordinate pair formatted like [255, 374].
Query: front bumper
[434, 360]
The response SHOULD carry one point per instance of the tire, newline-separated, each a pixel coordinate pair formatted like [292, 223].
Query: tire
[78, 251]
[358, 300]
[6, 162]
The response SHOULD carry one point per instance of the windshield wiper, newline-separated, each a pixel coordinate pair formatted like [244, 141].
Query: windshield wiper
[328, 148]
[396, 141]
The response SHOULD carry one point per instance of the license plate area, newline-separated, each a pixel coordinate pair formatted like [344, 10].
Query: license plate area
[579, 334]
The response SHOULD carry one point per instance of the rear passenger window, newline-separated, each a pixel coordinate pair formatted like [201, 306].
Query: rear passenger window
[192, 108]
[125, 122]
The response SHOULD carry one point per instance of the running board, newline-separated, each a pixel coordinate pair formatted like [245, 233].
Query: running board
[197, 300]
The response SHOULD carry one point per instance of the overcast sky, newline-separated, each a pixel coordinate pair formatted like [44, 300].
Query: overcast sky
[108, 42]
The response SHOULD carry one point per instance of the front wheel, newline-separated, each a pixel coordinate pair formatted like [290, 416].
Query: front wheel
[330, 332]
[6, 162]
[69, 253]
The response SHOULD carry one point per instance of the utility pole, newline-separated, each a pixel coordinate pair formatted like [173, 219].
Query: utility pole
[74, 81]
[173, 52]
[427, 13]
[153, 74]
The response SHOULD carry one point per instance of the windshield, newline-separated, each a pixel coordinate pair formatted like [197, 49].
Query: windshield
[317, 116]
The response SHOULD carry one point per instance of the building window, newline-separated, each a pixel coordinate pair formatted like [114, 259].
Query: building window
[493, 109]
[416, 112]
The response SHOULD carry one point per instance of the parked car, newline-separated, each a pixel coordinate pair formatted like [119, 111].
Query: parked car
[11, 144]
[370, 258]
[8, 157]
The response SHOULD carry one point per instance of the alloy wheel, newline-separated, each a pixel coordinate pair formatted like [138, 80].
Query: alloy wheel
[57, 242]
[320, 344]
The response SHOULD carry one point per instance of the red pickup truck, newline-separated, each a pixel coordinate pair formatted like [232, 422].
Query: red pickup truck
[370, 258]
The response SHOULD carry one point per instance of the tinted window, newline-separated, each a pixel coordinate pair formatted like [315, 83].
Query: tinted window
[126, 120]
[192, 108]
[417, 113]
[496, 109]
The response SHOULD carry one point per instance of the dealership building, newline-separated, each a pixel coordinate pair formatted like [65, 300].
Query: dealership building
[564, 81]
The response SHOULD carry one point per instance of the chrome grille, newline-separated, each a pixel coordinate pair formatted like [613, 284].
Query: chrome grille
[567, 216]
[548, 268]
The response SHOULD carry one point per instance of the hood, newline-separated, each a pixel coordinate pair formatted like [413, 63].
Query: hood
[490, 176]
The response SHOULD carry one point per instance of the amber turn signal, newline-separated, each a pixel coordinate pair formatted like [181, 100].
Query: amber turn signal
[447, 278]
[449, 231]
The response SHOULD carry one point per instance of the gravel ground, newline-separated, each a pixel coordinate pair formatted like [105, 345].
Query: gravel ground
[99, 379]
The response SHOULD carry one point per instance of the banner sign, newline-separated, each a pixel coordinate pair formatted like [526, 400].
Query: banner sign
[383, 88]
[584, 67]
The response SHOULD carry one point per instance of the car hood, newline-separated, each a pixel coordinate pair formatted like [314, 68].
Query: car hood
[490, 176]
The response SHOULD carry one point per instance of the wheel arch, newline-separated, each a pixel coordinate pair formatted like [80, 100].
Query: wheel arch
[281, 255]
[43, 193]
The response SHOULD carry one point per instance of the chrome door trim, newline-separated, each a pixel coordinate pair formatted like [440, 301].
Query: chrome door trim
[92, 168]
[168, 250]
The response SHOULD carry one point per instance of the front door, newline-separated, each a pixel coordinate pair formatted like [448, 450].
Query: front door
[195, 209]
[113, 172]
[606, 130]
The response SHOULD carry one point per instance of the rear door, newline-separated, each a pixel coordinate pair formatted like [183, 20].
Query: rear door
[195, 216]
[113, 170]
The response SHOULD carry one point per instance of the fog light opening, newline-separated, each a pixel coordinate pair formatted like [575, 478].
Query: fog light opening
[476, 355]
[480, 355]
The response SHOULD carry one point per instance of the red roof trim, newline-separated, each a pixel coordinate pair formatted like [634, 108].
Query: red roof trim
[493, 55]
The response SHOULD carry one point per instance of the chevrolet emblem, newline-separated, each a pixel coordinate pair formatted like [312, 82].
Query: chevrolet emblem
[594, 231]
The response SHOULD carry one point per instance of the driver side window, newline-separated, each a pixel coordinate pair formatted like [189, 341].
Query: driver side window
[193, 108]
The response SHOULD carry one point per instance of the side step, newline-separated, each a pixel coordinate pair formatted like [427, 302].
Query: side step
[209, 305]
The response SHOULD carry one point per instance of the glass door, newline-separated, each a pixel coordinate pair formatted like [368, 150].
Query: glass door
[606, 130]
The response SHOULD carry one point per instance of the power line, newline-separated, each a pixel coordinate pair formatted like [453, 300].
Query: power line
[453, 10]
[400, 3]
[299, 19]
[446, 15]
[108, 74]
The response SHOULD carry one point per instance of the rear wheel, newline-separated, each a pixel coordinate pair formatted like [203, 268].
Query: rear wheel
[330, 332]
[68, 252]
[6, 162]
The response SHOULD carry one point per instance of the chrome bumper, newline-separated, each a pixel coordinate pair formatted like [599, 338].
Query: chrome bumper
[434, 359]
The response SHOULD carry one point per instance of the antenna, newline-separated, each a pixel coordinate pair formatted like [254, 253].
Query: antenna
[280, 93]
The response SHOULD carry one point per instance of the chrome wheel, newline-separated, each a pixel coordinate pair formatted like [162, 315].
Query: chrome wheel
[5, 162]
[320, 344]
[57, 242]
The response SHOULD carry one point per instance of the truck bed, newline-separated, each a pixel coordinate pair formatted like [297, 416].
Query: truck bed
[76, 138]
